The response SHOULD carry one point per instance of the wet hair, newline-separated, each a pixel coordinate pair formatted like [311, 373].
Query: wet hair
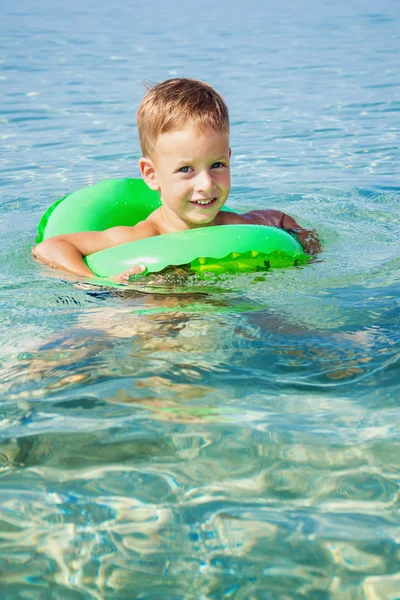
[173, 104]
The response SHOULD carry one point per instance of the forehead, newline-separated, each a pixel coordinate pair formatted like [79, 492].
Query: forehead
[191, 142]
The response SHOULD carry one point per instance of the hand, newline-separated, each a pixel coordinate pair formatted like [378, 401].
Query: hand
[308, 239]
[124, 277]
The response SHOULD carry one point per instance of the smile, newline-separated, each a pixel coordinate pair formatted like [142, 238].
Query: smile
[204, 201]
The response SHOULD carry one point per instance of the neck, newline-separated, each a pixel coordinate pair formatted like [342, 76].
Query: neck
[171, 223]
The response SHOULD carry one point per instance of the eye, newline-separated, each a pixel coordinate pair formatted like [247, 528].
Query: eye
[185, 169]
[217, 165]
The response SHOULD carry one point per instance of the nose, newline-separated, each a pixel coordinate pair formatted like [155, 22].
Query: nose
[204, 182]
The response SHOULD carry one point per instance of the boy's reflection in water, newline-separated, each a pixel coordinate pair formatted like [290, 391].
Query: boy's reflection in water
[167, 336]
[172, 342]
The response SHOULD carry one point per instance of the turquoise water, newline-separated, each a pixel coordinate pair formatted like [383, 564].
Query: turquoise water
[233, 438]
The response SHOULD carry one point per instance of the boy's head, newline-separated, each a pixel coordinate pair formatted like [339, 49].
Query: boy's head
[176, 104]
[184, 133]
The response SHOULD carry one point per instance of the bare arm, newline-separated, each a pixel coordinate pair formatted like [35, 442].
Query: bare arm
[67, 251]
[275, 218]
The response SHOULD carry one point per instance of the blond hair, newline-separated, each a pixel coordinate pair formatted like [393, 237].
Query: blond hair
[172, 104]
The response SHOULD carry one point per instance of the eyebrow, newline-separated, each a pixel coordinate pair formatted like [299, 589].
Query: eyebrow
[186, 161]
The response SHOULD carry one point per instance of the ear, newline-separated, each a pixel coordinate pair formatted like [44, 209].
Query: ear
[148, 172]
[230, 152]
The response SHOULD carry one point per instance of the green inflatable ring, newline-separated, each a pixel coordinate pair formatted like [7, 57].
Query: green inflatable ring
[240, 248]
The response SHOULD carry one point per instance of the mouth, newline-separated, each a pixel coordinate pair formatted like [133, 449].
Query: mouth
[204, 202]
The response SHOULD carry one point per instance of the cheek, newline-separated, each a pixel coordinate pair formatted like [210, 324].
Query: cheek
[183, 187]
[226, 179]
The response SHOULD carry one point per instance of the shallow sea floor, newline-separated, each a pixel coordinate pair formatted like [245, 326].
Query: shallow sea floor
[234, 437]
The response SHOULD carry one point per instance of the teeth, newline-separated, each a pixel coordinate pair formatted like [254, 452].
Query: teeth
[204, 201]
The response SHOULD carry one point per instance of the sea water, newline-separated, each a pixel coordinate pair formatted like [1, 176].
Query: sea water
[184, 439]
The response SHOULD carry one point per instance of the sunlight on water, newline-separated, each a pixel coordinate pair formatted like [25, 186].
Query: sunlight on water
[223, 437]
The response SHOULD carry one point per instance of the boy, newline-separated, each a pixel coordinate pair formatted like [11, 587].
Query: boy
[183, 128]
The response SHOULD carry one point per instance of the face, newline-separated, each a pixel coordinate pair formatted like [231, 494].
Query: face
[190, 169]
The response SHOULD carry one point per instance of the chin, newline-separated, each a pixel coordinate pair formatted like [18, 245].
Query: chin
[205, 221]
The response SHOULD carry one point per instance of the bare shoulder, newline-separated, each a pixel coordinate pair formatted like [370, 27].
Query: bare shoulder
[269, 217]
[123, 234]
[253, 217]
[225, 217]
